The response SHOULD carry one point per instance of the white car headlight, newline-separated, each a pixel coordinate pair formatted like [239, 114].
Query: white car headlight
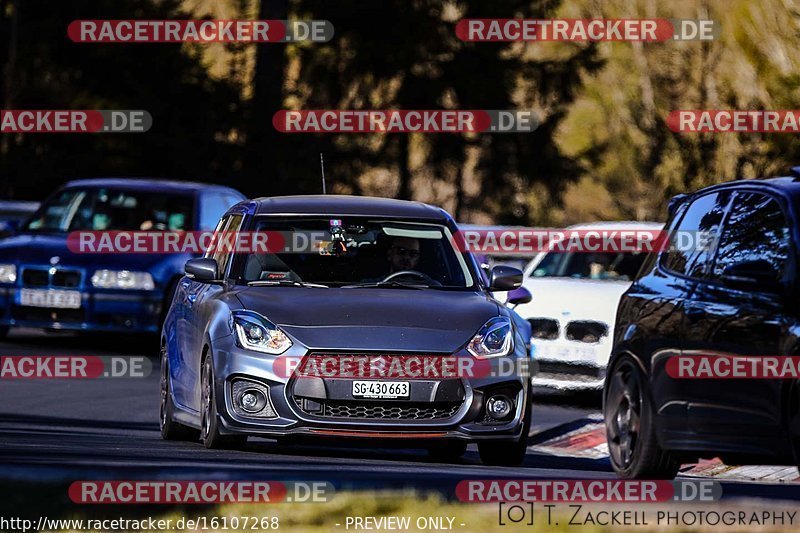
[8, 273]
[123, 279]
[493, 339]
[256, 333]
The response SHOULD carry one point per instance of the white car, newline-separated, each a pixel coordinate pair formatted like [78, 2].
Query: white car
[574, 306]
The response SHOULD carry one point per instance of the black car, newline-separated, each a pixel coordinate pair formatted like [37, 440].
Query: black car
[733, 293]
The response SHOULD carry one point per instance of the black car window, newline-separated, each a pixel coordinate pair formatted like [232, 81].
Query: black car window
[756, 230]
[695, 237]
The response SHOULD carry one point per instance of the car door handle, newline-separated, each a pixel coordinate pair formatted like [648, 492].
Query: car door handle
[695, 313]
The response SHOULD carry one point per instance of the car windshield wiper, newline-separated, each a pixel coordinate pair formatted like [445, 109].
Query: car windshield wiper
[383, 284]
[285, 283]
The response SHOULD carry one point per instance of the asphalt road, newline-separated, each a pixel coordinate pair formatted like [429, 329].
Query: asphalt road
[58, 431]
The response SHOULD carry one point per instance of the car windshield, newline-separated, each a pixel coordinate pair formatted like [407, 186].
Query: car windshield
[357, 252]
[617, 266]
[77, 209]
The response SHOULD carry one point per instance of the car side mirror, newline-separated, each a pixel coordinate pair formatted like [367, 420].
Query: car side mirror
[202, 269]
[759, 272]
[519, 296]
[504, 278]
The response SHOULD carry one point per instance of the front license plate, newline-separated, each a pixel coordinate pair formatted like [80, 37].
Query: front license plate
[561, 352]
[381, 389]
[50, 298]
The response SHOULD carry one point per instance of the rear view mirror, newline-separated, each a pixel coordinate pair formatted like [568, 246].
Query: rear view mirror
[752, 273]
[504, 278]
[202, 269]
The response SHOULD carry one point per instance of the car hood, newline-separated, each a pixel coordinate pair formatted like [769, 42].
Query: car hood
[35, 249]
[373, 319]
[573, 299]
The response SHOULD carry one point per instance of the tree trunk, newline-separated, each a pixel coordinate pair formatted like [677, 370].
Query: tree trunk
[404, 191]
[264, 167]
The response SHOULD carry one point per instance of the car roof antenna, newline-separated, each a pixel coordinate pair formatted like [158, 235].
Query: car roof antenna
[322, 168]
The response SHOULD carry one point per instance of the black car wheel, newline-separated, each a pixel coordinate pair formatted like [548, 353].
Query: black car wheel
[504, 453]
[445, 452]
[630, 426]
[170, 429]
[209, 425]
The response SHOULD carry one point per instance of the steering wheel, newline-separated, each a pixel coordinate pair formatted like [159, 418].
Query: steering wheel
[412, 273]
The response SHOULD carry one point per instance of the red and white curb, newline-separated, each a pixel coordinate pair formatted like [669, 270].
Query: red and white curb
[588, 441]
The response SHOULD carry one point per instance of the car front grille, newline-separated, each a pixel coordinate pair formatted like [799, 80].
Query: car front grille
[41, 277]
[383, 410]
[586, 331]
[544, 328]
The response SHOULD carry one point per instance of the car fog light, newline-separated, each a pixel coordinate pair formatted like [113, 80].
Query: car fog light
[252, 400]
[498, 407]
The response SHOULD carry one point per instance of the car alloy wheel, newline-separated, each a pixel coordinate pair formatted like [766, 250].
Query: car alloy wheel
[208, 396]
[623, 418]
[209, 423]
[630, 426]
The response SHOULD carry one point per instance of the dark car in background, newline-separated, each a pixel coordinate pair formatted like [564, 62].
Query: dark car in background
[43, 284]
[734, 295]
[387, 282]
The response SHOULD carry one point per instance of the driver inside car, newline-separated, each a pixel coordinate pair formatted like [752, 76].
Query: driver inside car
[403, 254]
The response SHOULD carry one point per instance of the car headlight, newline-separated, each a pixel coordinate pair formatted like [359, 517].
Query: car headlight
[493, 339]
[256, 333]
[123, 279]
[8, 273]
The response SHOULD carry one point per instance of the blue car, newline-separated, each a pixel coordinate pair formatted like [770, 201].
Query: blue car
[384, 285]
[43, 284]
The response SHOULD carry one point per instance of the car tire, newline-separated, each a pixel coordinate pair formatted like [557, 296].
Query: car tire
[209, 424]
[170, 429]
[446, 452]
[505, 453]
[630, 426]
